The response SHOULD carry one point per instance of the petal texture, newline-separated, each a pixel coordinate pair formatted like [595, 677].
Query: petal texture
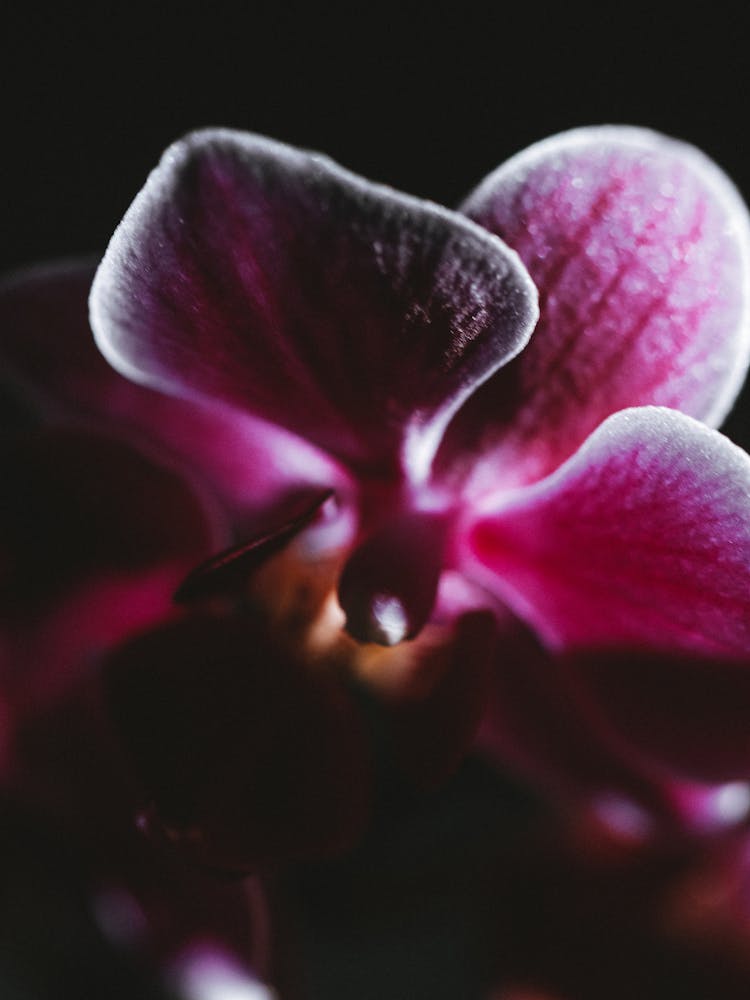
[638, 245]
[641, 539]
[281, 284]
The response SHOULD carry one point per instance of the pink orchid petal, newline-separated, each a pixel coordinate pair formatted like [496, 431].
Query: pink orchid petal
[639, 247]
[277, 282]
[641, 540]
[47, 345]
[206, 971]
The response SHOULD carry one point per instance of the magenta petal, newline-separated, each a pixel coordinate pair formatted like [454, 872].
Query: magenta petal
[46, 344]
[639, 247]
[641, 539]
[273, 280]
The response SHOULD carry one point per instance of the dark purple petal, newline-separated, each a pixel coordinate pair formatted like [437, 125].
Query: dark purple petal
[688, 713]
[641, 540]
[538, 723]
[245, 756]
[68, 772]
[47, 345]
[77, 504]
[272, 280]
[639, 248]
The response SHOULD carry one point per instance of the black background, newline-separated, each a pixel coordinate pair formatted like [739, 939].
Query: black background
[426, 101]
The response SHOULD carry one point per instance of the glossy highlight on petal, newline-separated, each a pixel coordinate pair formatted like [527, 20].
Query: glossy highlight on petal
[642, 539]
[278, 283]
[640, 248]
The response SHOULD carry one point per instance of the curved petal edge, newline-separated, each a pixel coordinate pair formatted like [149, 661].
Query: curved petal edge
[640, 248]
[275, 281]
[641, 540]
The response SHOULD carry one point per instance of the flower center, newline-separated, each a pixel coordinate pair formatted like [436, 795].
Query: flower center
[389, 584]
[347, 611]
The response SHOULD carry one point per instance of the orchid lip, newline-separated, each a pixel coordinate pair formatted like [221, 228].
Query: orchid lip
[227, 572]
[389, 585]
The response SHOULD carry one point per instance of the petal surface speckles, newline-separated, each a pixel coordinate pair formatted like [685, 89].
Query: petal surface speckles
[276, 282]
[638, 245]
[642, 539]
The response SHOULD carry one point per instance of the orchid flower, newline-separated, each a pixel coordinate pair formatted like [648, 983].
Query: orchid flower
[274, 285]
[402, 437]
[461, 454]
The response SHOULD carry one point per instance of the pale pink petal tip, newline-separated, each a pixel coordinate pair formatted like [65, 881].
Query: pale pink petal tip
[639, 246]
[207, 972]
[641, 540]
